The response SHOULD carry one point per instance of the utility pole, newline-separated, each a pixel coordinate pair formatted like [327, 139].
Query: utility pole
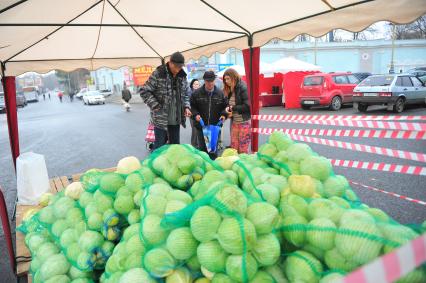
[69, 83]
[392, 63]
[315, 51]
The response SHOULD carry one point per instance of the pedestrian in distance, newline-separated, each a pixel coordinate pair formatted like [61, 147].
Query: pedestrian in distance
[166, 94]
[126, 95]
[60, 95]
[49, 94]
[194, 85]
[72, 96]
[207, 103]
[44, 96]
[238, 110]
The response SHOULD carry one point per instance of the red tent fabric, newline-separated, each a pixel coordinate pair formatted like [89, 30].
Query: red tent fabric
[251, 64]
[292, 82]
[12, 117]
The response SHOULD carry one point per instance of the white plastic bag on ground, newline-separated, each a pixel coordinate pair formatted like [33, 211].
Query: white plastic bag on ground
[32, 179]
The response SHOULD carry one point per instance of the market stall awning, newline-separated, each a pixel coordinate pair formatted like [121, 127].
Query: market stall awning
[290, 64]
[41, 35]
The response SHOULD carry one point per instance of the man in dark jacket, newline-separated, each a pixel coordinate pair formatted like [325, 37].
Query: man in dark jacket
[126, 94]
[208, 103]
[166, 94]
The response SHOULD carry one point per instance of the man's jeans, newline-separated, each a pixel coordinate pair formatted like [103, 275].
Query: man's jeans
[171, 135]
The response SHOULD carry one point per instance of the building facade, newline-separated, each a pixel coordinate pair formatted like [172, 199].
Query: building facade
[374, 56]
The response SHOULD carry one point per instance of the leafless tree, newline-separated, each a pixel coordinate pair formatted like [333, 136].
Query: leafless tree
[365, 34]
[414, 30]
[302, 38]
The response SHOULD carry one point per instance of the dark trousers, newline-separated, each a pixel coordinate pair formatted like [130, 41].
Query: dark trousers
[194, 134]
[201, 142]
[172, 135]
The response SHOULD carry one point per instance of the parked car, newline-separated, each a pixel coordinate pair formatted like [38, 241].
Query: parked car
[327, 89]
[106, 92]
[393, 90]
[93, 97]
[2, 103]
[418, 72]
[21, 100]
[80, 94]
[361, 76]
[31, 93]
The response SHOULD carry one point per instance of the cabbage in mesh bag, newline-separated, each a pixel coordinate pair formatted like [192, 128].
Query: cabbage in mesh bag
[48, 263]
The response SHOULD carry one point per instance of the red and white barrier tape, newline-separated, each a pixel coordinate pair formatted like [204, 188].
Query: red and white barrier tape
[420, 157]
[338, 117]
[386, 167]
[412, 135]
[389, 193]
[421, 127]
[391, 266]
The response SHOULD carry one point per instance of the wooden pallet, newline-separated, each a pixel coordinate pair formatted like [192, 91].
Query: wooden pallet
[57, 184]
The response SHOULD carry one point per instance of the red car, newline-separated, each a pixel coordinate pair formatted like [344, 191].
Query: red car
[327, 89]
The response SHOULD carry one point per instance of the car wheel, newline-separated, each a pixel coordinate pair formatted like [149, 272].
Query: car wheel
[336, 103]
[362, 107]
[398, 107]
[306, 107]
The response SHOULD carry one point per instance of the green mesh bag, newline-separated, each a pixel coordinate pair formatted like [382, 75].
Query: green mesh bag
[180, 165]
[48, 263]
[325, 230]
[280, 215]
[209, 231]
[88, 226]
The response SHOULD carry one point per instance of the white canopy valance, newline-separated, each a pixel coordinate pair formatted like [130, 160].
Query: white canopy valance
[41, 35]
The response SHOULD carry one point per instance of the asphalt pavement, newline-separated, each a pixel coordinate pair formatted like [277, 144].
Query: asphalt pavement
[74, 138]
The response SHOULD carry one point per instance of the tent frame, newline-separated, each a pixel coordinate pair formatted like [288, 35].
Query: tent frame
[9, 97]
[249, 64]
[251, 56]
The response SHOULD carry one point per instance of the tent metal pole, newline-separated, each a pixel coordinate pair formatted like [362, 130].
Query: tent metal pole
[47, 36]
[251, 61]
[115, 25]
[12, 119]
[81, 59]
[140, 36]
[225, 16]
[12, 6]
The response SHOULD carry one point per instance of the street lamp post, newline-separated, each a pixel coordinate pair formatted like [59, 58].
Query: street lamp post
[392, 63]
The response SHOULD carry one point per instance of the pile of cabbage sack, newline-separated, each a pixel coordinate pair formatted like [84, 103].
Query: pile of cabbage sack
[280, 215]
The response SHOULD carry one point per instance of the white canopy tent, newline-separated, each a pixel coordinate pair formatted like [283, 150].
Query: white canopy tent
[263, 67]
[290, 64]
[42, 35]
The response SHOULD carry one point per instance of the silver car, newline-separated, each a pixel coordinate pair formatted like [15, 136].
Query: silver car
[393, 90]
[2, 103]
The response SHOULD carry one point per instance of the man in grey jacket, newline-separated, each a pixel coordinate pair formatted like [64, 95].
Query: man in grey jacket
[166, 94]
